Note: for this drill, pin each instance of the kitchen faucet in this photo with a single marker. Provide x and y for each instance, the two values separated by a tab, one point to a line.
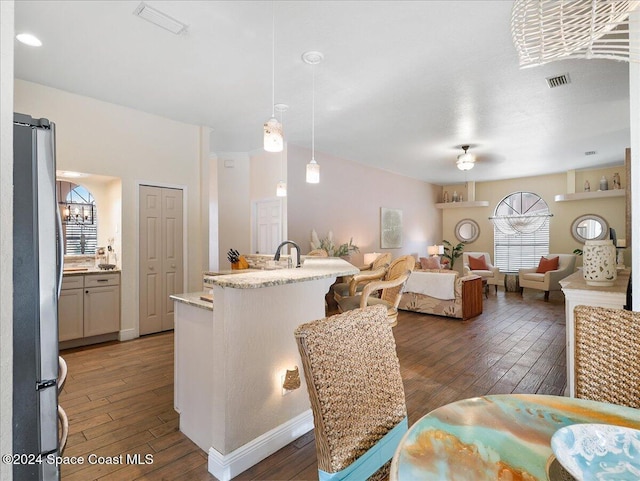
277	256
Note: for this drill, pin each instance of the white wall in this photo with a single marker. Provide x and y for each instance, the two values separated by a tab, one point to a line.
6	233
106	139
348	199
234	204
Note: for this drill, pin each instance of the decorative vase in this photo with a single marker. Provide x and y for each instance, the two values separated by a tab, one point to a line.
616	181
599	263
587	186
445	196
604	185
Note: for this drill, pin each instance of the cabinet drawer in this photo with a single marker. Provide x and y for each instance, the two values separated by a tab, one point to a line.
72	282
99	280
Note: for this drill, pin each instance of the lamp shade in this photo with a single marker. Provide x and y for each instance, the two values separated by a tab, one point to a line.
273	139
313	172
370	257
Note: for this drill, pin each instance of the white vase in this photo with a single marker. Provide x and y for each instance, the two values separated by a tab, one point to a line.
599	263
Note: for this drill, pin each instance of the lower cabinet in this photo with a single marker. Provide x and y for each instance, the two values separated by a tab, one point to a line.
89	306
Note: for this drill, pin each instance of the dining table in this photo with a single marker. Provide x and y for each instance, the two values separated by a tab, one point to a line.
505	437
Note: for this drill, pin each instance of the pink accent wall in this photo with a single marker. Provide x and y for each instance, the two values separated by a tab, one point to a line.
348	199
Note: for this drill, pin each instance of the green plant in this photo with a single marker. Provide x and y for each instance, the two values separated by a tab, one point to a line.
452	252
577	252
328	245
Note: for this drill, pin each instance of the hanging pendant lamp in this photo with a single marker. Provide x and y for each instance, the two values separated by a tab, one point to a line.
281	188
273	135
313	58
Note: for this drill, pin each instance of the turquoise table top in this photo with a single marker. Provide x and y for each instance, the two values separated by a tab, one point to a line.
501	437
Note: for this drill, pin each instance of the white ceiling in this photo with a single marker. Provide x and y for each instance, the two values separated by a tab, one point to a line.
403	84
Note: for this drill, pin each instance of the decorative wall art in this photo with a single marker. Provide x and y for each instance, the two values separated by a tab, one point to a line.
390	228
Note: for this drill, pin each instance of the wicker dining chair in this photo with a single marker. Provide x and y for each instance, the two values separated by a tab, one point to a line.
356	392
390	289
607	355
373	271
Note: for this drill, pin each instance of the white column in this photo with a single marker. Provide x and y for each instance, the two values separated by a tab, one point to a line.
634	109
6	234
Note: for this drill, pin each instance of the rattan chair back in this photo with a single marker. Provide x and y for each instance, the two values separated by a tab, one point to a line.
397	268
354	383
383	260
607	355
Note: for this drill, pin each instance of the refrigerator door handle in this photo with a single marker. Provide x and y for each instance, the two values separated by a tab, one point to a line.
60	249
64	431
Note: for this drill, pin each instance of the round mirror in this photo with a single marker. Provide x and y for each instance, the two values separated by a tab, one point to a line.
589	227
467	230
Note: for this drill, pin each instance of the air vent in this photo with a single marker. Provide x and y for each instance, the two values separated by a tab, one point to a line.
160	19
558	80
590	152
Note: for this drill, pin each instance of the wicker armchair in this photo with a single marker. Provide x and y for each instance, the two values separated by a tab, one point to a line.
356	392
354	284
607	355
390	289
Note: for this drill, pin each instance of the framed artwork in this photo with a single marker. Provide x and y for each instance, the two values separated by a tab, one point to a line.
390	228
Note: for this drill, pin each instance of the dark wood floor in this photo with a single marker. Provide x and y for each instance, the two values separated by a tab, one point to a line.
119	396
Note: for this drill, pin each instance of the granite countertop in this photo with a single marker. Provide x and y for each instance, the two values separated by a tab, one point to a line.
313	268
78	271
194	299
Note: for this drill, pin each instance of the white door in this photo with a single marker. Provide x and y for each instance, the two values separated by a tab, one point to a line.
268	230
161	259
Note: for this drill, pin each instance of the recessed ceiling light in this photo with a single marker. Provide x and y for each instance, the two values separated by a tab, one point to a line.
29	39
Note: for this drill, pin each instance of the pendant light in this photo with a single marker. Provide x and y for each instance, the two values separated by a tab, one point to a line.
273	136
313	58
281	188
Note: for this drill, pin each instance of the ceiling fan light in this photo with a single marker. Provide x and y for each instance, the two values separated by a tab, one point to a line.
313	172
465	164
273	138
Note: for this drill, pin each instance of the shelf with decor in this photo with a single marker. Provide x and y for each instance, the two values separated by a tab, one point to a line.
598	194
465	203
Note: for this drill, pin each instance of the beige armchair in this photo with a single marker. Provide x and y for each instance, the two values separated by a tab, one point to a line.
550	280
492	274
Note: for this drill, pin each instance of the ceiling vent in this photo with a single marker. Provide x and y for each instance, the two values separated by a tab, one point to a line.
160	19
558	80
590	152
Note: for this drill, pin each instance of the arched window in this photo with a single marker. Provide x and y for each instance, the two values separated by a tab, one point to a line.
79	219
521	231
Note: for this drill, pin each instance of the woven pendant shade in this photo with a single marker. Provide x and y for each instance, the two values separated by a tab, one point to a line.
548	30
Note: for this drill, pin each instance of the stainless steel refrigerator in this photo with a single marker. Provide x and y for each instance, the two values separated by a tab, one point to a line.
37	277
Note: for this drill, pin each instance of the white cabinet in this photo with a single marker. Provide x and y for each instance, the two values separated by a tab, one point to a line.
89	306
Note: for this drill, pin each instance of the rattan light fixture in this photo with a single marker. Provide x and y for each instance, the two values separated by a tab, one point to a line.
548	30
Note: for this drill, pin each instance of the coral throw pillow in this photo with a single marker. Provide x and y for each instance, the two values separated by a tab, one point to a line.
546	265
478	263
430	262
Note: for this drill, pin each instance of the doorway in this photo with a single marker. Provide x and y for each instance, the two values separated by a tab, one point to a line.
161	271
268	226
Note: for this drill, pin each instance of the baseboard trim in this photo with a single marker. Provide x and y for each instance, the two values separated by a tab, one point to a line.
225	467
127	334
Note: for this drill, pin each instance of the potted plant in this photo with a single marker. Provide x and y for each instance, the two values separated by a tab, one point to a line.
328	245
452	252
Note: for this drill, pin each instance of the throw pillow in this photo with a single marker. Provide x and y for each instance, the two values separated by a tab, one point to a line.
430	262
478	263
546	265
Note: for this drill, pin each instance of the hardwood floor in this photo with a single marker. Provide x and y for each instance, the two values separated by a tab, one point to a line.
119	396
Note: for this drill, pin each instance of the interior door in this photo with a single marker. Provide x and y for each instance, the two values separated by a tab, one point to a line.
161	256
150	268
171	252
268	226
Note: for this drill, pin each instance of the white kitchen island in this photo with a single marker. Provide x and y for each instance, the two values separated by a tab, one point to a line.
230	357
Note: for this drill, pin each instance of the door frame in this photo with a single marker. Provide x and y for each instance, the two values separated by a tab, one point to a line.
254	220
185	246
